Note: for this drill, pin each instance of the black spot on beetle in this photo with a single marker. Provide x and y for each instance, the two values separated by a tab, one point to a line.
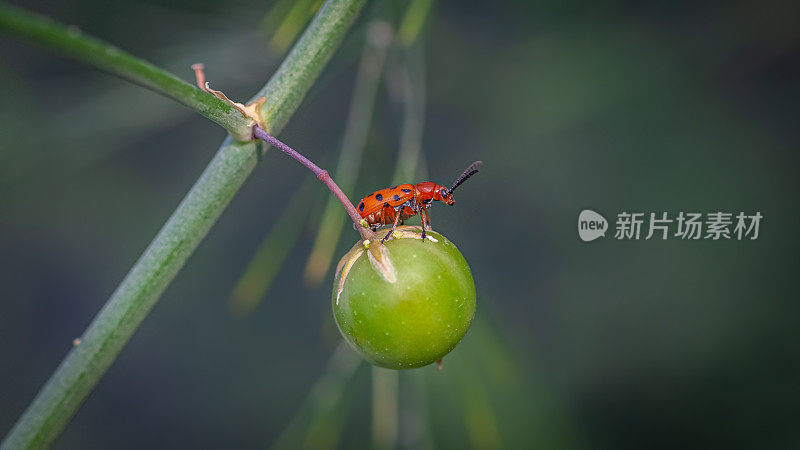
361	206
379	197
396	197
406	190
385	205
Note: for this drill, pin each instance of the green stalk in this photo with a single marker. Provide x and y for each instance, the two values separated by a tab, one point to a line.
413	80
272	253
72	42
359	122
113	326
319	422
301	11
385	383
413	88
416	15
384	407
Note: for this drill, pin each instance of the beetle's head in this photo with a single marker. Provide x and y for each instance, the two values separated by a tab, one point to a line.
443	195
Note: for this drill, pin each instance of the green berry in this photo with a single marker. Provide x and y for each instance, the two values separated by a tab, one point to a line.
418	318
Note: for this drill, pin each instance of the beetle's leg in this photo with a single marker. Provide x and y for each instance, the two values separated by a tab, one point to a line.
394	225
422	213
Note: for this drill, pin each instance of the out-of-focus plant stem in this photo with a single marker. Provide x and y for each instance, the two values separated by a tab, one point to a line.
272	252
480	419
385	384
72	42
384	408
287	30
413	88
85	364
416	15
319	422
359	120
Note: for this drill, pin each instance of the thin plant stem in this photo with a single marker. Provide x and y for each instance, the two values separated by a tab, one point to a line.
480	417
271	254
416	414
416	15
288	29
412	85
464	379
116	322
359	121
385	383
72	42
323	176
413	88
384	408
385	387
319	421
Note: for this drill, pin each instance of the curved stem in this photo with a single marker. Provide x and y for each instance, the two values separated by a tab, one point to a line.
323	176
379	37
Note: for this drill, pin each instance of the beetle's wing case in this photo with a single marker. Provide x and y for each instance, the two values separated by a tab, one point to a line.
371	203
394	196
400	194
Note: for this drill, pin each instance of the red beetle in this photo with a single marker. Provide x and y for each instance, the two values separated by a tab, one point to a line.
396	204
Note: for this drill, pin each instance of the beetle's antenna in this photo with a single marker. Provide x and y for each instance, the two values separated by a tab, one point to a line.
470	171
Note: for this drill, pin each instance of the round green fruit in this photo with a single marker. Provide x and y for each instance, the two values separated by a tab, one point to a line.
415	315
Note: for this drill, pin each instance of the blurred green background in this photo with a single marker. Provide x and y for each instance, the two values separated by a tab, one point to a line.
615	106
